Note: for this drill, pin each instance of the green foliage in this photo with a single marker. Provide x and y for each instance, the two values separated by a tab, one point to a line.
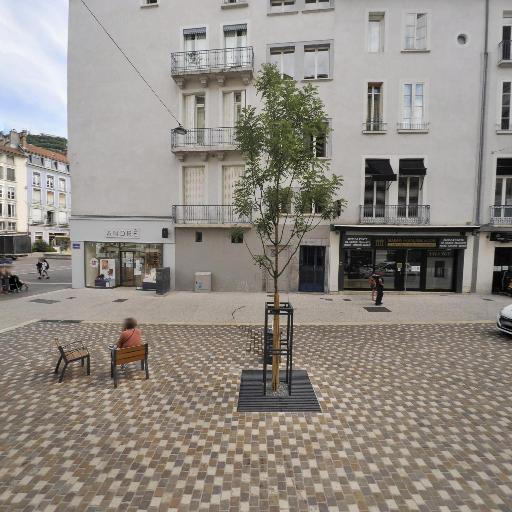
283	176
41	246
49	142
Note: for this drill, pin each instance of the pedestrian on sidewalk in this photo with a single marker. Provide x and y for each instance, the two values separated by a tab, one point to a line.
45	268
373	286
379	285
39	267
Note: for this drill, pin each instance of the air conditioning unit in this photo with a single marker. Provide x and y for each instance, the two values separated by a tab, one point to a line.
203	282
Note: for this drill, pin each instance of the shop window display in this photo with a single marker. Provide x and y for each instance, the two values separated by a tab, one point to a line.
122	264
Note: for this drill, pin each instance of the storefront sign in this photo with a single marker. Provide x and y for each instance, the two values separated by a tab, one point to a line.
440	254
453	242
501	237
76	245
357	241
411	243
122	233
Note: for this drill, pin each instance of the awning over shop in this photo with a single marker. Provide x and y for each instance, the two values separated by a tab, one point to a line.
412	167
379	169
504	167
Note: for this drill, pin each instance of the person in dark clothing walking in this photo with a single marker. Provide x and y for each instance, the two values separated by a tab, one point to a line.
45	268
39	267
379	285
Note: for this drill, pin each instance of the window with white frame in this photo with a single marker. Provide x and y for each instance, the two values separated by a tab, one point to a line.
62	200
233	103
50	198
36	196
506	90
317	4
10	159
503	192
1	193
413	107
319	143
194	42
37	215
63	218
1	209
409	190
1	173
416	31
11	193
36	179
11	226
374	197
62	184
11	174
376	32
374	107
316	62
282	5
11	210
50	182
284	59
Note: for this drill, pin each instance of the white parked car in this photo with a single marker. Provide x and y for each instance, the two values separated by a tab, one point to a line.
504	321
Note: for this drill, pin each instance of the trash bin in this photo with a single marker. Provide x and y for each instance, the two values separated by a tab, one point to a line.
163	280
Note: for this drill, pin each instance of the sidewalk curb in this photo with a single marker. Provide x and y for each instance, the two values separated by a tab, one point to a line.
28	322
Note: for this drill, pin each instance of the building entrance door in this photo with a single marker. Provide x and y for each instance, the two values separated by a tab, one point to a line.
127	268
311	268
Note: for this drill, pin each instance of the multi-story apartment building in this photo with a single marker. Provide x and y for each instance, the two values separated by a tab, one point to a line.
401	82
35	189
494	256
13	185
48	194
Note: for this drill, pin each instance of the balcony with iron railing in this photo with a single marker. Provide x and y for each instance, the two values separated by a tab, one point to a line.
413	127
395	214
501	215
219	63
204	140
505	53
374	126
208	215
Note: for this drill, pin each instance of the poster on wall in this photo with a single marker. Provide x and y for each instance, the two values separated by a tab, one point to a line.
93	263
137	271
108	271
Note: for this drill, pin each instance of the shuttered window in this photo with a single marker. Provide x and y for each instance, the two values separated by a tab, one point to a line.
231	174
193	185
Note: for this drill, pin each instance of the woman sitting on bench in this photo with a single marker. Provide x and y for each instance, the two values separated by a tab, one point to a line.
131	335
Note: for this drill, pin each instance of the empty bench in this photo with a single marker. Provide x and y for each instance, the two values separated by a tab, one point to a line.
71	353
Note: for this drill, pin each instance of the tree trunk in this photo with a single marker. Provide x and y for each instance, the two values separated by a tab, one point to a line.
276	340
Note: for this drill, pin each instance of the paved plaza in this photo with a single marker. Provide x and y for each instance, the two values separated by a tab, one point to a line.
414	417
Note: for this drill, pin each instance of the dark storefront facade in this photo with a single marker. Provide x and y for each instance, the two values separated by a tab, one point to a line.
407	261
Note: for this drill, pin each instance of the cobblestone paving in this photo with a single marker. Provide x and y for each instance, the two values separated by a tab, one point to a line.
415	417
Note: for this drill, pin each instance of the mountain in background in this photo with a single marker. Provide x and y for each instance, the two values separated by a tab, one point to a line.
49	142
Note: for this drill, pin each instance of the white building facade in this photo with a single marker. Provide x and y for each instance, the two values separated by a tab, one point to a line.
13	185
402	84
48	194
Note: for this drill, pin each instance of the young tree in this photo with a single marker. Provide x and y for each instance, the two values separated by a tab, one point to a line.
285	189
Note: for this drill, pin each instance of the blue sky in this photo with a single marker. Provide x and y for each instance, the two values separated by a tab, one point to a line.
33	52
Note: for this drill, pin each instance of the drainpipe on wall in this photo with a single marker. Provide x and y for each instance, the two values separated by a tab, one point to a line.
479	177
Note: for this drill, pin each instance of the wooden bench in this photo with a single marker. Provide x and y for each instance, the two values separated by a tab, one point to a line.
70	353
128	355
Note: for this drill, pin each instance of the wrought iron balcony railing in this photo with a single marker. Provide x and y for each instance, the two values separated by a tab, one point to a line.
212	61
374	125
413	126
216	214
204	138
395	214
501	214
504	52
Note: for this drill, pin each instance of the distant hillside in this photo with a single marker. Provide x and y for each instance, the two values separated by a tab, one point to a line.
48	141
